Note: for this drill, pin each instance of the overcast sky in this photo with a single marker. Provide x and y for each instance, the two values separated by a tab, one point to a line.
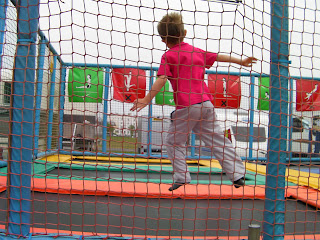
124	31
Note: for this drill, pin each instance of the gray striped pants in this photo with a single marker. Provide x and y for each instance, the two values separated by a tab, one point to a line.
201	119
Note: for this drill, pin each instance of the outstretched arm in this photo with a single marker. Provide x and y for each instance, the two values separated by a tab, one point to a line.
140	103
247	62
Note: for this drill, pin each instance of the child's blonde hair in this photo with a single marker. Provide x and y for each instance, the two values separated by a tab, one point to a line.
171	28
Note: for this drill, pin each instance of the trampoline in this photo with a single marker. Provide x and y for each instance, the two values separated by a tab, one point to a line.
82	165
82	195
126	216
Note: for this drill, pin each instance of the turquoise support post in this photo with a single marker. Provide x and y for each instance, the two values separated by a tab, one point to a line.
149	141
105	110
274	213
251	120
51	103
20	158
291	106
63	84
42	53
193	145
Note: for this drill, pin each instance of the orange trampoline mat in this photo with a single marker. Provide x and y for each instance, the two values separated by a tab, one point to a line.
153	190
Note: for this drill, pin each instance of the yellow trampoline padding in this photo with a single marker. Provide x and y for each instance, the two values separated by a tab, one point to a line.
207	163
298	177
126	159
203	163
213	163
303	178
108	163
57	158
260	169
67	158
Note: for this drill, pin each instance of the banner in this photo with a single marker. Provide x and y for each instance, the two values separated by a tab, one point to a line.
165	96
128	84
308	95
226	90
85	85
264	91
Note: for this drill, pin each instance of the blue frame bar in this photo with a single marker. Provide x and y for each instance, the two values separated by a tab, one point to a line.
63	83
251	133
109	66
193	145
51	103
149	141
290	120
42	53
51	48
105	111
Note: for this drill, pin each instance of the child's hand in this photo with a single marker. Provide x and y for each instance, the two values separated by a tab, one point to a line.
248	61
139	104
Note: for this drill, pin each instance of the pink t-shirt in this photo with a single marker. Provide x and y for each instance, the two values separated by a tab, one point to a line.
184	65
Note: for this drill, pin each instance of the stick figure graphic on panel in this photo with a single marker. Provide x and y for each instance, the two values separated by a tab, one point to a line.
312	92
127	83
88	82
224	87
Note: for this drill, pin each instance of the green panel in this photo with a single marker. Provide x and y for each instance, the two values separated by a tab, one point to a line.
263	102
165	97
85	85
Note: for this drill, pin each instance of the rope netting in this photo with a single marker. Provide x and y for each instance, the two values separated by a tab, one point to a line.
117	120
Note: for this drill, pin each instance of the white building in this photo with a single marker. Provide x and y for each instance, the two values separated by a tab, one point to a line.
123	124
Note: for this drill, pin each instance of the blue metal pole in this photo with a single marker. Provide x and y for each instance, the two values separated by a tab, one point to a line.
251	133
21	147
149	140
274	213
113	66
193	145
317	144
105	110
310	142
42	53
51	48
62	97
290	120
51	103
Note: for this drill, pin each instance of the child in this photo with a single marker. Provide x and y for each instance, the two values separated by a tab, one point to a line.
184	66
